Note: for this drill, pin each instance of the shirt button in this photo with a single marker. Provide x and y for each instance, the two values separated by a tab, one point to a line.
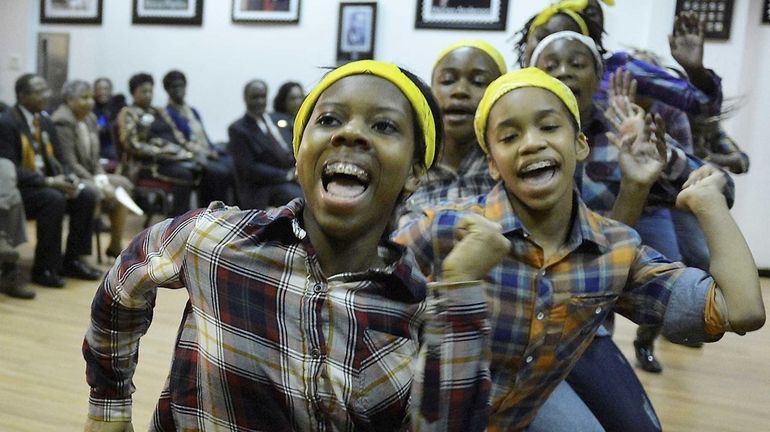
315	352
317	288
598	310
540	316
529	359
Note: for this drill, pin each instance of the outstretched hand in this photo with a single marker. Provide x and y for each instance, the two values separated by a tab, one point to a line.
642	143
703	187
481	246
622	85
687	41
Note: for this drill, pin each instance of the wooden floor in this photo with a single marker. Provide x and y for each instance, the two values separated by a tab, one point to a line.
723	387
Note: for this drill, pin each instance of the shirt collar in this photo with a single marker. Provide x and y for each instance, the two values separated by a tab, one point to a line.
586	226
401	269
28	116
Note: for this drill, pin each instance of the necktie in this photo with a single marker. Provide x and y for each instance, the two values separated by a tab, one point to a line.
38	133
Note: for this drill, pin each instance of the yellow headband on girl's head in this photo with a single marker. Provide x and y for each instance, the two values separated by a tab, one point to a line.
488	49
387	71
529	77
567	7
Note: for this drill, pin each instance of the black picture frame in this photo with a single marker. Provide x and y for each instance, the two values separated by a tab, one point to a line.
152	12
766	12
718	15
254	11
356	31
64	12
462	14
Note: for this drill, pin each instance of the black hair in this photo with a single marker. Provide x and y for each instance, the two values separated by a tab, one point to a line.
137	80
100	79
172	76
595	32
251	83
419	136
22	86
279	101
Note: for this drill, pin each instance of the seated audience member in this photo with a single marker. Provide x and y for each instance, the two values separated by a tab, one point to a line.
288	99
260	144
12	233
150	141
106	109
568	267
217	176
77	129
28	138
310	295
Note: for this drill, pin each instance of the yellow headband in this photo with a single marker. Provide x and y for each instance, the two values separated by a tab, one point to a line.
609	2
387	71
529	77
488	49
567	7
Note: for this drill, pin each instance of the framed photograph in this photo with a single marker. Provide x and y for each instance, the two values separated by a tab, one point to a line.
355	31
766	12
717	15
275	11
71	11
462	14
185	12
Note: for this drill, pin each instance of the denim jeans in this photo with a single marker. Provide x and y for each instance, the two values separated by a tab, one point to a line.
602	390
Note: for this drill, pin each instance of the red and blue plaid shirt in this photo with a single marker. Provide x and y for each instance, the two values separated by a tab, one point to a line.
544	313
267	342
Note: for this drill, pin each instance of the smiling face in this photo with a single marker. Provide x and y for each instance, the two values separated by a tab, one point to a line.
533	149
572	63
459	81
355	155
255	97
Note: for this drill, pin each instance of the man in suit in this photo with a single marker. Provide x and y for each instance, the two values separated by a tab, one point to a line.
28	139
260	144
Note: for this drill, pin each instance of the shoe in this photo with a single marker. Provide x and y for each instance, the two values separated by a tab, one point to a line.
79	270
113	252
646	357
47	278
12	285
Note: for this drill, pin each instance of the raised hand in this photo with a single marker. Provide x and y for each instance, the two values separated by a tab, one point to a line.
703	188
642	156
481	246
621	84
687	41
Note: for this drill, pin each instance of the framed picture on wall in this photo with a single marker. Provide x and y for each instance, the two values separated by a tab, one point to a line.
462	14
71	11
717	16
766	12
277	11
185	12
355	31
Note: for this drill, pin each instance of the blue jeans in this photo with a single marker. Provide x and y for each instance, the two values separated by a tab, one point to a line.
656	228
601	389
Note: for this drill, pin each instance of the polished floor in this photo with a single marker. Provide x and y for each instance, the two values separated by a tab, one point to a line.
723	387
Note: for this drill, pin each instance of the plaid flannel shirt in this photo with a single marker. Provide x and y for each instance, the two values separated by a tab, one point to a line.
544	313
658	83
443	184
598	177
267	342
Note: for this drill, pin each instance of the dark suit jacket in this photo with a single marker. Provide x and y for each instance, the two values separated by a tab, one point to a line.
260	161
12	127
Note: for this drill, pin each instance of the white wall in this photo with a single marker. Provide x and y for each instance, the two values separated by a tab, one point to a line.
219	57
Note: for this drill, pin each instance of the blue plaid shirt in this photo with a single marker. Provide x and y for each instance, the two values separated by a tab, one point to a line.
545	312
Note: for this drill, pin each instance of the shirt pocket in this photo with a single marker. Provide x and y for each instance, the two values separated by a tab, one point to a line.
585	313
385	373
